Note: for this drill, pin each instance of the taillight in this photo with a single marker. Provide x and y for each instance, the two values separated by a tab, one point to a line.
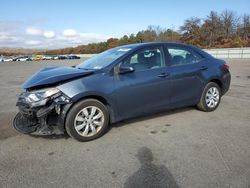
226	66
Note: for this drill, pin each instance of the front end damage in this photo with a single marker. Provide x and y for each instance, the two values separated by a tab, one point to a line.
42	112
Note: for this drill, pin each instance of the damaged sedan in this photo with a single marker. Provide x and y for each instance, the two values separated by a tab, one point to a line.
120	83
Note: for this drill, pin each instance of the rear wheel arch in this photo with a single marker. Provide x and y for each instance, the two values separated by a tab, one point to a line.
218	82
214	80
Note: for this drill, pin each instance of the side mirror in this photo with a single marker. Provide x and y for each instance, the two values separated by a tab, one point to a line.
124	68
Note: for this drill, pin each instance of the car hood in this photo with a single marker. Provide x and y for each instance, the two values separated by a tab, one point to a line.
53	75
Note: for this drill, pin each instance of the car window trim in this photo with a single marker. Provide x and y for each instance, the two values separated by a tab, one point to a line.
167	56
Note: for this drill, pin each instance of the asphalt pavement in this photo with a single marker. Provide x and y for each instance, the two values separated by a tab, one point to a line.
180	148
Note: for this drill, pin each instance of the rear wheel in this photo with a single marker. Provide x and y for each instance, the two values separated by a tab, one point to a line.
87	120
210	98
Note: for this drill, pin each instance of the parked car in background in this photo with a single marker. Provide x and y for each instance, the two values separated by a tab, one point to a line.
8	59
62	57
15	58
73	57
47	58
55	57
24	58
37	58
118	84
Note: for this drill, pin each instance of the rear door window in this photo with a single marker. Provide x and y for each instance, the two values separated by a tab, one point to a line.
183	56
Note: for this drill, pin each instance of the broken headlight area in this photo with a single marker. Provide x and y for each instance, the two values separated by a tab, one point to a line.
39	97
41	112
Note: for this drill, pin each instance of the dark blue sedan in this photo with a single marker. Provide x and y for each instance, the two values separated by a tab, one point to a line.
118	84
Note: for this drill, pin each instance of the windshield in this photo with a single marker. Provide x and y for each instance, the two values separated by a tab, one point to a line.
103	59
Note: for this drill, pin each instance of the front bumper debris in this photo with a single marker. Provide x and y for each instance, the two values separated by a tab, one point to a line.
45	119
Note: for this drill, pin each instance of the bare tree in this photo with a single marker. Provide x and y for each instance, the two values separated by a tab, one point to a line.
191	31
211	29
230	23
246	27
191	25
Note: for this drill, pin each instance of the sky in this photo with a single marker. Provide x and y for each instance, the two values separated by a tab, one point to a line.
50	24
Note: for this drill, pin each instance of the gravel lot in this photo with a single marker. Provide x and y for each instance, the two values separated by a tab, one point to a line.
181	148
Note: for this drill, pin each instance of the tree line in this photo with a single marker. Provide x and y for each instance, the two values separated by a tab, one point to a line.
217	30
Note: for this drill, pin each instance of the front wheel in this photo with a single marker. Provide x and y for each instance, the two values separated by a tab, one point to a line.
210	98
87	120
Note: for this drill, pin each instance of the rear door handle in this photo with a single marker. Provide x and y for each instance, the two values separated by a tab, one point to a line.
163	75
203	68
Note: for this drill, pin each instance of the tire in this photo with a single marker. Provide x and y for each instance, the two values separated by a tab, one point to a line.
84	126
24	125
204	103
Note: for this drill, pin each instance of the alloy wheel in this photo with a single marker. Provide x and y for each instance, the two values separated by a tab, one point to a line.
89	121
212	97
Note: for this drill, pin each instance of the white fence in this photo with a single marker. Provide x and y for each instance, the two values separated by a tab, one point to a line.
85	55
229	52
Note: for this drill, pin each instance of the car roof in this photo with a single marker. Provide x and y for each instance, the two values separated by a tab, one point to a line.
148	44
136	45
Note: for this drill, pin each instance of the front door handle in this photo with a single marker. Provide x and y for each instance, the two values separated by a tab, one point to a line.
203	68
163	75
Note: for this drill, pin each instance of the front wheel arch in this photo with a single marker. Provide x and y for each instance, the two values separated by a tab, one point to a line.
96	97
100	99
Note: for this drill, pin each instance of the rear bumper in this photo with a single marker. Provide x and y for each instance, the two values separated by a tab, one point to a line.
226	80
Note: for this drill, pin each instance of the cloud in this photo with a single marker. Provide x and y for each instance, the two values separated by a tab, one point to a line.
33	42
69	33
21	34
49	34
39	32
4	36
34	31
